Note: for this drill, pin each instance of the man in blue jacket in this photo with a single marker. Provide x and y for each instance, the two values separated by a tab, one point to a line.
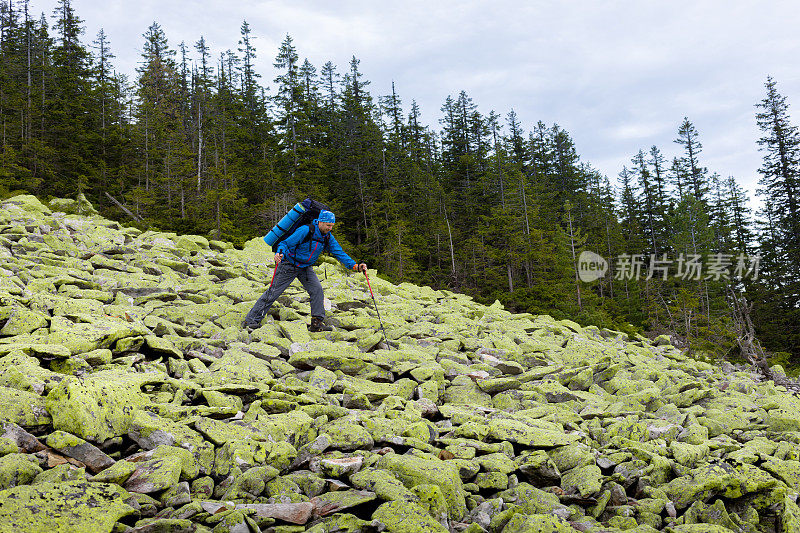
295	259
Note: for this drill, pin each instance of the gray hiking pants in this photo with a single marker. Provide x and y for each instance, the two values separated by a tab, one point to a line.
284	276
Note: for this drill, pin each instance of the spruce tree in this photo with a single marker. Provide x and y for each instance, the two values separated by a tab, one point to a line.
780	177
649	201
287	97
780	170
696	174
70	108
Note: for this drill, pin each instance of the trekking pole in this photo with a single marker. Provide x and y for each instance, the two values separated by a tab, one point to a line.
376	309
274	270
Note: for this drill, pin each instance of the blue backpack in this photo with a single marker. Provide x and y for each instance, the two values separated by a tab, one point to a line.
303	213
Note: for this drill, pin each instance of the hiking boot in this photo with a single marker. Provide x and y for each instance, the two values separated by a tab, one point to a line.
250	327
318	325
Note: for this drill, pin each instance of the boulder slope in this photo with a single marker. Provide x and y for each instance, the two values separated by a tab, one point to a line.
134	401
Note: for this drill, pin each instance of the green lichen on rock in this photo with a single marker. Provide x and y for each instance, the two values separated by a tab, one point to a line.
117	473
155	475
383	483
347	436
585	480
99	406
22	320
405	517
413	471
59	474
18	469
528	435
537	523
123	350
23	408
70	507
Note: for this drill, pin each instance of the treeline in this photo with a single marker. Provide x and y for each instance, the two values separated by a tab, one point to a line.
483	204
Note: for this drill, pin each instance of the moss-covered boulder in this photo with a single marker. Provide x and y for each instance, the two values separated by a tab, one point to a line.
23	408
75	506
18	469
405	517
413	471
99	406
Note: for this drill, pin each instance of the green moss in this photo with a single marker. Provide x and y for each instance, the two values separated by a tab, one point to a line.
310	483
251	483
699	528
624	523
7	446
496	462
151	431
375	391
688	454
497	385
102	332
706	481
322	378
344	360
190	469
284	489
464	391
701	513
532	500
21	371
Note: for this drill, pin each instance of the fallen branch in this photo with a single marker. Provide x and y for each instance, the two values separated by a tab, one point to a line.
127	211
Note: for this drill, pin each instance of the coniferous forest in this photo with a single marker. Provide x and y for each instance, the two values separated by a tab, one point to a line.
497	206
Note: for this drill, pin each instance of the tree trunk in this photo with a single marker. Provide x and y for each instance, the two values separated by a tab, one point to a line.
574	260
452	253
199	143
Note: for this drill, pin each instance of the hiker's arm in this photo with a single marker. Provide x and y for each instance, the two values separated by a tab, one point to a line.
336	251
293	240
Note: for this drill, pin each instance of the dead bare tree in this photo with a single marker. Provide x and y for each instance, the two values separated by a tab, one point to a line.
748	343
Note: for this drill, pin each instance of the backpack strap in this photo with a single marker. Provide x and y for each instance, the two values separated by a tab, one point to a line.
325	240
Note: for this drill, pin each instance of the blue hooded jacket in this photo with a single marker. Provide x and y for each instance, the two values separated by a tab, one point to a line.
302	254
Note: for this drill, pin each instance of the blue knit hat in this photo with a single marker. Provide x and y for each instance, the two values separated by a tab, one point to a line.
327	216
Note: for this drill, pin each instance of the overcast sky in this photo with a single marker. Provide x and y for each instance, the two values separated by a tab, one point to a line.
617	75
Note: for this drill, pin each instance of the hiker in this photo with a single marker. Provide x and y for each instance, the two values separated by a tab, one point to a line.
296	256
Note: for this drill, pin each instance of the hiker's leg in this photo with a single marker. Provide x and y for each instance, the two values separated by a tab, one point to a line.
311	283
284	276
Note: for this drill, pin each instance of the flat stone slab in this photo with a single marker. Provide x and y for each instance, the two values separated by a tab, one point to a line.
294	513
521	433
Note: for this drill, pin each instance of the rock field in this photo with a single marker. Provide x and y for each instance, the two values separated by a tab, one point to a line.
131	400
